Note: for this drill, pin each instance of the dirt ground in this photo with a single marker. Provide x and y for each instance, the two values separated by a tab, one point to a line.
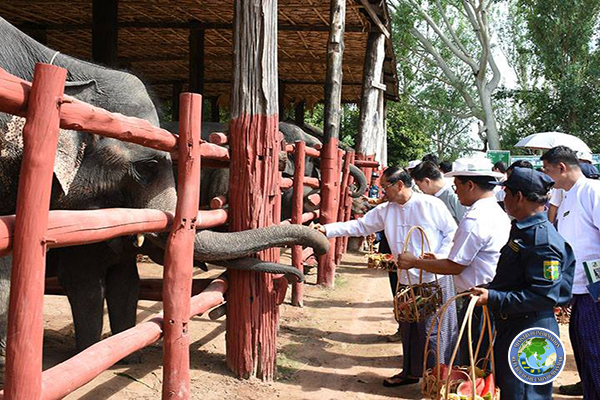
335	347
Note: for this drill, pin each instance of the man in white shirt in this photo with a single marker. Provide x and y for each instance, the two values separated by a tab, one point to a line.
404	210
430	180
476	246
578	219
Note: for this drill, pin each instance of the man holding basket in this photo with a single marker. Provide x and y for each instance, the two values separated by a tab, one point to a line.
534	274
404	210
476	246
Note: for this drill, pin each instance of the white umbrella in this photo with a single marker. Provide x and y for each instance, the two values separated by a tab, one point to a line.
548	140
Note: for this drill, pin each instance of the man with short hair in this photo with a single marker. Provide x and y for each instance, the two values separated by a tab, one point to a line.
578	219
476	245
405	209
429	179
534	274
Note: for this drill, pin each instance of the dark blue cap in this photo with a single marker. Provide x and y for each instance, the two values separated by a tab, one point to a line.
589	171
528	180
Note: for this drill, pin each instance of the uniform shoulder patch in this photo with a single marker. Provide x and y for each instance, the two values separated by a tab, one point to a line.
552	270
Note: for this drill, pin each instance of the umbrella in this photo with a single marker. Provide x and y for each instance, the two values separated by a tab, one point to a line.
548	140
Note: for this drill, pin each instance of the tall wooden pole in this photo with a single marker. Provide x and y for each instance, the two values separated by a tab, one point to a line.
25	317
329	153
370	120
105	32
179	254
196	63
252	314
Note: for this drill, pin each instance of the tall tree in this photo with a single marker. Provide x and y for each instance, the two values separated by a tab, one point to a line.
454	37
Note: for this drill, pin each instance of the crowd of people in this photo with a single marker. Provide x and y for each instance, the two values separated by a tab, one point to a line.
490	236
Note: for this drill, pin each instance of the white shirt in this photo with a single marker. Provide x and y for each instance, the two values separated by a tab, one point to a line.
499	193
579	223
556	197
421	209
482	232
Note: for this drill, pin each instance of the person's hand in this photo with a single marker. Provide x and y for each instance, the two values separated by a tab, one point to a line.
483	295
429	256
318	227
406	260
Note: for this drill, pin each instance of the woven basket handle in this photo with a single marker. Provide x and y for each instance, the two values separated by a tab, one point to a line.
424	239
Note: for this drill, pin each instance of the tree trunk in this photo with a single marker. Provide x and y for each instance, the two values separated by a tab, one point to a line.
252	314
329	153
489	121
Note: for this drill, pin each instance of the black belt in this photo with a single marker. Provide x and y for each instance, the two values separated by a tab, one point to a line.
511	317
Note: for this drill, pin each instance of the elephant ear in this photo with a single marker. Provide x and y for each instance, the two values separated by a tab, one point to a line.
71	144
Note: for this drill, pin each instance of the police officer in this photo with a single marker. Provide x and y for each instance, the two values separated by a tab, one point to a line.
534	274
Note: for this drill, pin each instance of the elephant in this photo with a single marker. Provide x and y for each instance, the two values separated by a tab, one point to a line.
95	172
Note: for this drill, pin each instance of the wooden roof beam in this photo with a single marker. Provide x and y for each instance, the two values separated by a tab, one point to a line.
185	25
373	14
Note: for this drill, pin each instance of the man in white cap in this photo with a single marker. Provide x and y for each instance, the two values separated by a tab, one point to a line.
403	210
482	232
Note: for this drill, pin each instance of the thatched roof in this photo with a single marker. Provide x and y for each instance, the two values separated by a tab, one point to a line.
153	41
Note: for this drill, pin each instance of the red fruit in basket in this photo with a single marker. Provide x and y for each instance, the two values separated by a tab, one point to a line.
457	374
443	371
466	388
389	257
489	389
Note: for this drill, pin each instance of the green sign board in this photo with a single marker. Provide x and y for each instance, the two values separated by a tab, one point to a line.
534	160
499	155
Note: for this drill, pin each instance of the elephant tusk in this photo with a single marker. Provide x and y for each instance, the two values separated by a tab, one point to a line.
139	240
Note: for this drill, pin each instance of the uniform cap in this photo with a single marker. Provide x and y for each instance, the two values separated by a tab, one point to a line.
528	180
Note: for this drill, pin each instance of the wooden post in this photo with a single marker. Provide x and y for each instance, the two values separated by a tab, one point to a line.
297	210
196	65
299	113
214	109
179	254
339	243
329	154
25	315
252	314
177	89
105	32
370	119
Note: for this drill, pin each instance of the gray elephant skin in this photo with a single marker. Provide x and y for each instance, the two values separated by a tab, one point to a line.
93	172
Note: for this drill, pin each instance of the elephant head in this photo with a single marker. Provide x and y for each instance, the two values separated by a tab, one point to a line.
97	172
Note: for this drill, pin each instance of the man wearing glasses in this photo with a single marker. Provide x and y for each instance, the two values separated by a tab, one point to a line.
406	209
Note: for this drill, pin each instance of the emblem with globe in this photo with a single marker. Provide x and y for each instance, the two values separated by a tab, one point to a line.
537	355
535	359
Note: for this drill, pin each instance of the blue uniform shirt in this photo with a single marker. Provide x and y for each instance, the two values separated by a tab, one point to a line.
535	270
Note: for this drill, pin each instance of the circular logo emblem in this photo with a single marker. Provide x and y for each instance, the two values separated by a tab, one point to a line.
536	356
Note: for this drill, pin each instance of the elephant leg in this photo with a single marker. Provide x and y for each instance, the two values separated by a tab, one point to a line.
5	268
122	294
81	273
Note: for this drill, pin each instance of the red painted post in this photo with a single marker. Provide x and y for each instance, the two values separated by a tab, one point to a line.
25	316
297	210
179	255
329	192
339	243
348	207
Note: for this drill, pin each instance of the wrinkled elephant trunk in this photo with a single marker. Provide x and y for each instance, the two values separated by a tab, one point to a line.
360	179
214	246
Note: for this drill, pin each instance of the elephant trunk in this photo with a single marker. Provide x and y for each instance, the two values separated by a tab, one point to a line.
254	264
214	246
360	179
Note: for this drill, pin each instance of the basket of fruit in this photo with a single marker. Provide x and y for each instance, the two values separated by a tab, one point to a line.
416	302
451	382
386	262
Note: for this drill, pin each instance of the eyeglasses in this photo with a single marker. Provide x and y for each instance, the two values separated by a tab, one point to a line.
384	188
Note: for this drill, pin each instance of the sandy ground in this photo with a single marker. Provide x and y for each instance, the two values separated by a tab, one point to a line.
333	348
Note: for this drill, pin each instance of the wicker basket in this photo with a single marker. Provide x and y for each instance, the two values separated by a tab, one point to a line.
435	387
563	314
415	303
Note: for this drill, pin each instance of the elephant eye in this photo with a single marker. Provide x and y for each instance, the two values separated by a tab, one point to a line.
145	171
